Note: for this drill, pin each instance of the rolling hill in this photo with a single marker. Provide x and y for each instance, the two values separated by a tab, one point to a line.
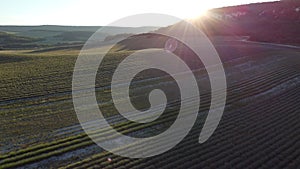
24	37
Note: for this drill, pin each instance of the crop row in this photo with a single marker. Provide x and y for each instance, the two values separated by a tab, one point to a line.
256	87
229	148
253	87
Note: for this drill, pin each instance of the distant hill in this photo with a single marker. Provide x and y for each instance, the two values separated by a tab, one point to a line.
275	22
20	37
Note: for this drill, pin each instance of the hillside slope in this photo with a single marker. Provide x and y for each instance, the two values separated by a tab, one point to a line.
276	22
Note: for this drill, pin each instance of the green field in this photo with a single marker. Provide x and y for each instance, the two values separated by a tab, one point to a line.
39	126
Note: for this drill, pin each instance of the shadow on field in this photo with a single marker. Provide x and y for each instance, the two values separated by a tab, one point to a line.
12	59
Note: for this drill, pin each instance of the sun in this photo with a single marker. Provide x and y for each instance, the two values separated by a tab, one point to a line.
194	11
202	12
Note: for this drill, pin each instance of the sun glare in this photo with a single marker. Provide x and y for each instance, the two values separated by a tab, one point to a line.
195	10
94	12
195	15
188	9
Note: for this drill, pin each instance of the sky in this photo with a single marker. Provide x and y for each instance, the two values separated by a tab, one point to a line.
101	12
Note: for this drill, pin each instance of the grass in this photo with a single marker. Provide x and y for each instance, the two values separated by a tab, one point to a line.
38	79
36	100
48	147
62	146
191	148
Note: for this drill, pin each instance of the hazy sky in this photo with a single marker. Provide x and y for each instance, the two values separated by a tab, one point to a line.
100	12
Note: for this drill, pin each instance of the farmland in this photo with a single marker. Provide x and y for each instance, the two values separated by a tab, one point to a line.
259	128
